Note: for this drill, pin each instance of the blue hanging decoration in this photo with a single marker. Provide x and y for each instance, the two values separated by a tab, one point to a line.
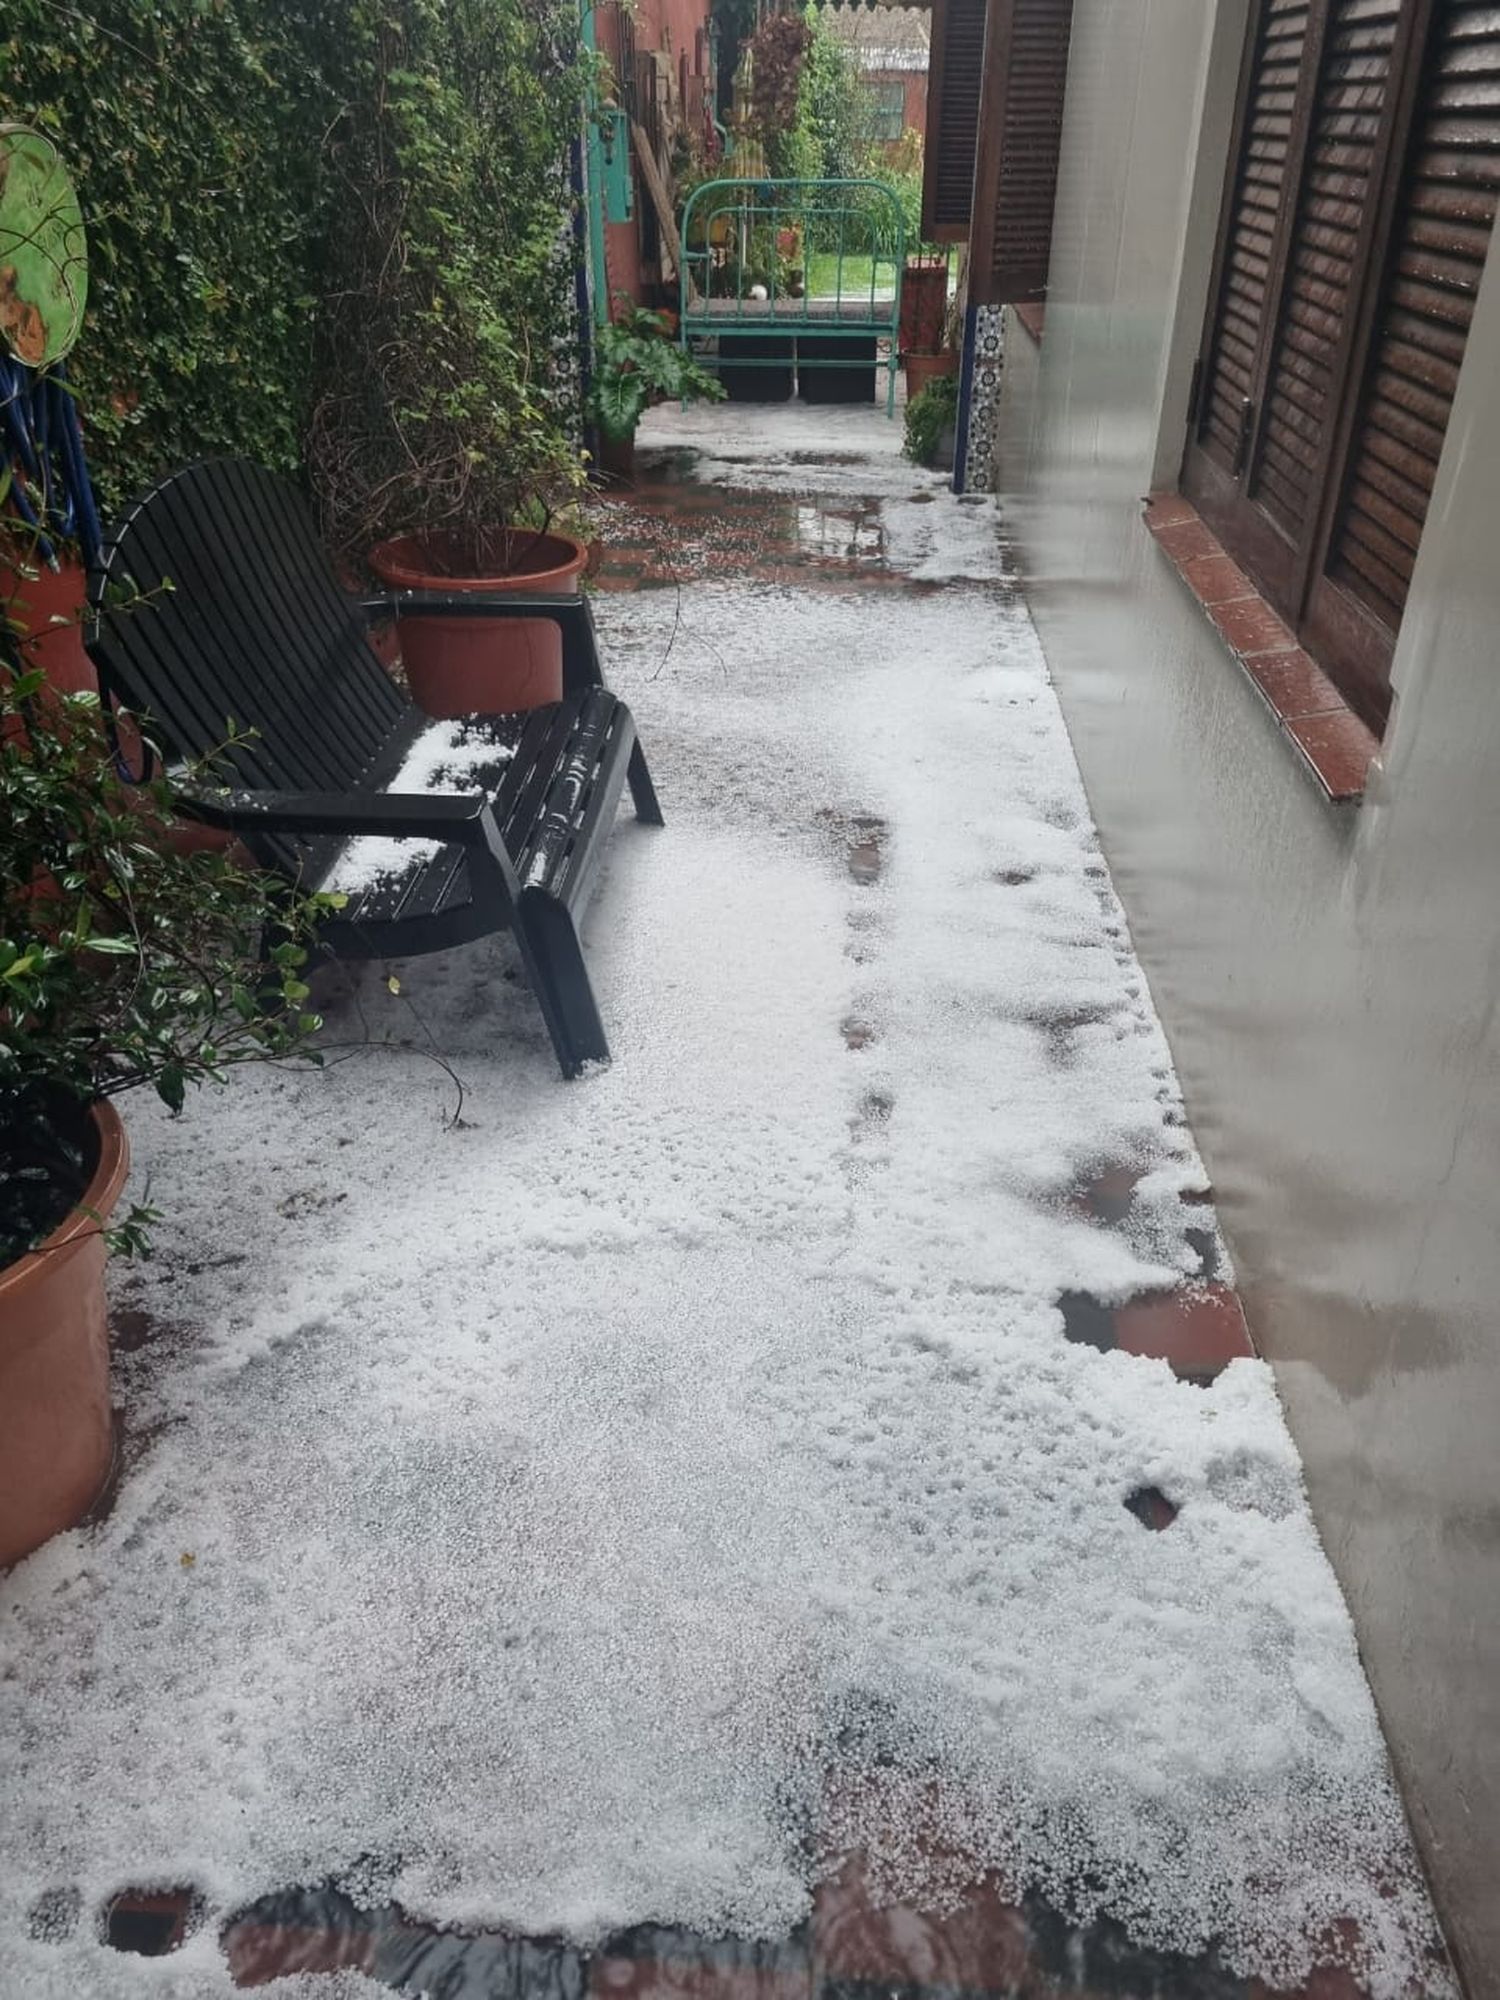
50	492
47	493
44	281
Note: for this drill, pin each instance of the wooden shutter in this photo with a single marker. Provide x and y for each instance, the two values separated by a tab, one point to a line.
1245	284
1334	215
955	64
1015	178
1320	106
1438	240
1366	170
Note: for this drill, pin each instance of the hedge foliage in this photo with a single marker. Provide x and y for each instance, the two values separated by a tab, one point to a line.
445	328
202	135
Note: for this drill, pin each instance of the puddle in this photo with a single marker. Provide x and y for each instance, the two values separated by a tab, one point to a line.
851	1948
659	534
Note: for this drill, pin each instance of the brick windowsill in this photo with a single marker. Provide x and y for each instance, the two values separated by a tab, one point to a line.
1332	743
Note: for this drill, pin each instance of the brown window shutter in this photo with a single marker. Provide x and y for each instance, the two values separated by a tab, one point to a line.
1356	225
955	64
1438	243
1015	180
1341	177
1245	287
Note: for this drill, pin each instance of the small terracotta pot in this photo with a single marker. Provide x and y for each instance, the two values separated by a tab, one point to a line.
481	666
924	368
56	1431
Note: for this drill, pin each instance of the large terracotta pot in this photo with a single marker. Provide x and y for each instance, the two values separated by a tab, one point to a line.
49	609
481	666
56	1431
924	368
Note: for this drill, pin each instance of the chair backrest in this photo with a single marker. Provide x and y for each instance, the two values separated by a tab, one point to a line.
244	622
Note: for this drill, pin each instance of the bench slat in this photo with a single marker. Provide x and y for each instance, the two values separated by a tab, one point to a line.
194	625
309	623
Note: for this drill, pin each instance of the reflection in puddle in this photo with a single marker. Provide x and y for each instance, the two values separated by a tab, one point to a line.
661	534
849	1949
848	534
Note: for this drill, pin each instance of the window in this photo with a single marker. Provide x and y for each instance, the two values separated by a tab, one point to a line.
888	112
1365	171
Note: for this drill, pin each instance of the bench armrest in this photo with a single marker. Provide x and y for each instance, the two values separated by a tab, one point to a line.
419	815
562	610
571	615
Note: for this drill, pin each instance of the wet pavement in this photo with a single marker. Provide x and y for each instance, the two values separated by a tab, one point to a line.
667	530
853	1947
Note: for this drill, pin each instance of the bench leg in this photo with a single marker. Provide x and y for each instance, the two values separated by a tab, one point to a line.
554	960
642	791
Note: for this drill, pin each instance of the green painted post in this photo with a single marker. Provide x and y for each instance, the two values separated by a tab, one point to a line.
594	177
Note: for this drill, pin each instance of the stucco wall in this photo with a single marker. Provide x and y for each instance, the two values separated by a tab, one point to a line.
1328	978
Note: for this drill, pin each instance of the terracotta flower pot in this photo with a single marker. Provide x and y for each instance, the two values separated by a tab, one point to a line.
481	666
49	609
924	368
56	1432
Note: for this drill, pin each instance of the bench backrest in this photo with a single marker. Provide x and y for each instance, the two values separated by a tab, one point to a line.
254	629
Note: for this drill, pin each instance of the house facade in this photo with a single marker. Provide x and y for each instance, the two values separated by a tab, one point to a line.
1244	313
890	49
661	53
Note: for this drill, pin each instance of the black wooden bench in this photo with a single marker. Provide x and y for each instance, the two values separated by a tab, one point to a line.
256	630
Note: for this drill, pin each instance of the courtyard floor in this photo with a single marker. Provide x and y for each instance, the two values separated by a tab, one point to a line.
795	1512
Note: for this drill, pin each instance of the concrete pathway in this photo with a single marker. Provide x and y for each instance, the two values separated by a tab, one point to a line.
796	1511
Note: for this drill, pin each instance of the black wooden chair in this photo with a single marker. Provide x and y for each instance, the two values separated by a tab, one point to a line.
256	630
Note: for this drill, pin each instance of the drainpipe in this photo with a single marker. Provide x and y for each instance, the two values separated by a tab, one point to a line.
593	176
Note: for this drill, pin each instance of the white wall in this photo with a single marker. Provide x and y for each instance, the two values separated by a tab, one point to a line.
1328	978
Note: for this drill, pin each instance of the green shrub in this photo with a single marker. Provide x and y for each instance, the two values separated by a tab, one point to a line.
928	416
124	958
192	136
636	363
440	403
220	149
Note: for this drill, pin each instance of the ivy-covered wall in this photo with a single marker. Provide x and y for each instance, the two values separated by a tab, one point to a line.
192	131
203	136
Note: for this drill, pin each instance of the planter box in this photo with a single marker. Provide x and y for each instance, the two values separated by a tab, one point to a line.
764	383
924	304
852	381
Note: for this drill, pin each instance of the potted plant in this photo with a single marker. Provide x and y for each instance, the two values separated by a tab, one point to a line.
440	438
637	363
932	423
924	365
124	961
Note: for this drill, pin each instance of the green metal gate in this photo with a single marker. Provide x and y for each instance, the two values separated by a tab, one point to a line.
814	261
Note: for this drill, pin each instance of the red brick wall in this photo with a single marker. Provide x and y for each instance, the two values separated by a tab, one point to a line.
916	101
670	27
